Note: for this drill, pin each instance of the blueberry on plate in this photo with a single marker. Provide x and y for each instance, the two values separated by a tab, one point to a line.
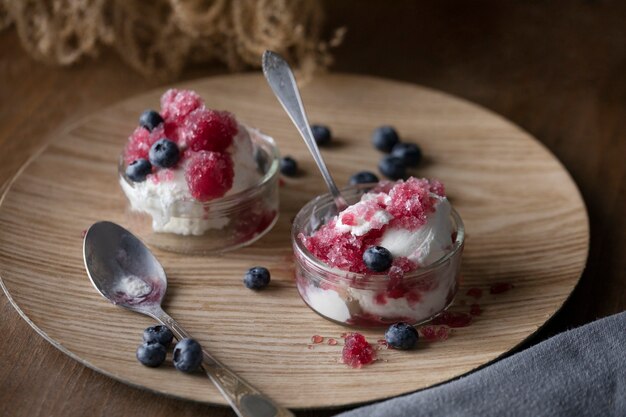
392	167
401	336
288	166
187	355
363	177
151	354
158	334
377	258
150	119
385	138
138	170
257	278
410	153
164	153
321	134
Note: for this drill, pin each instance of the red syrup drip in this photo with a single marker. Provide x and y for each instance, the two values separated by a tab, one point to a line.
453	319
281	182
500	287
357	352
316	339
474	293
332	341
434	333
475	310
83	233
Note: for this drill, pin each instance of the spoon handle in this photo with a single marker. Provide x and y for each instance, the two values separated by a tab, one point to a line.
244	399
283	83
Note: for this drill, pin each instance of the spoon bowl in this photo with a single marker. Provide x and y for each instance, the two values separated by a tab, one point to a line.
113	258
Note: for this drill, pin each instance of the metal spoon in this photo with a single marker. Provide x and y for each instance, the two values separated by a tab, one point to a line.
283	84
118	263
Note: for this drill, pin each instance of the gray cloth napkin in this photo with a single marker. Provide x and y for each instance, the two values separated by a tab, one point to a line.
580	372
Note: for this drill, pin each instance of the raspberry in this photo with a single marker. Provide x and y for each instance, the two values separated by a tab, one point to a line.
357	352
208	130
140	141
176	104
209	175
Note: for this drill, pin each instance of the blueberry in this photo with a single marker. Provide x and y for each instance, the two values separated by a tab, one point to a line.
151	354
385	138
187	355
392	167
158	334
257	278
164	153
150	119
138	170
363	177
321	134
401	336
288	166
410	153
377	258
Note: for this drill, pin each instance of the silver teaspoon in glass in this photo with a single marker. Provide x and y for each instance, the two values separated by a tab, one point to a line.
283	83
125	272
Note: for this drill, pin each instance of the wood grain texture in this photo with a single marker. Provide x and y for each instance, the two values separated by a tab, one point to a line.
520	59
525	221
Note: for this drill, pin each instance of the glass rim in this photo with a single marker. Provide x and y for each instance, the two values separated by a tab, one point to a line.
349	277
272	171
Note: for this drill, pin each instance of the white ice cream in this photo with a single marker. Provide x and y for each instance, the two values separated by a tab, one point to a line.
170	204
428	243
133	287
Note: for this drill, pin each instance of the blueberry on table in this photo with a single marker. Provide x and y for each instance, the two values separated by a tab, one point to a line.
392	167
151	354
138	170
187	355
150	119
158	334
363	177
257	278
410	153
164	153
321	134
377	258
385	138
401	336
288	166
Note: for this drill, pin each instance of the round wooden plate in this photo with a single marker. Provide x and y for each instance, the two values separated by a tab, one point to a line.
525	219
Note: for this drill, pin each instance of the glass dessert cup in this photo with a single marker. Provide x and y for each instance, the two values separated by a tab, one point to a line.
219	225
372	300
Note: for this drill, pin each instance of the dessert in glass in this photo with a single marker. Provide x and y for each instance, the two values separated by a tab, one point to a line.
393	255
197	180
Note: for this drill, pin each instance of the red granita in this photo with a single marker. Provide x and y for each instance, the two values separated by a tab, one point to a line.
453	319
140	141
357	351
176	104
409	202
475	310
434	333
474	293
209	175
208	130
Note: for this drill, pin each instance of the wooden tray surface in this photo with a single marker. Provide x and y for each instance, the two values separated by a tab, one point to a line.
526	224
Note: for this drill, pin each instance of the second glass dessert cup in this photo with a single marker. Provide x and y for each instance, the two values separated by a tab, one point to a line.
371	300
219	225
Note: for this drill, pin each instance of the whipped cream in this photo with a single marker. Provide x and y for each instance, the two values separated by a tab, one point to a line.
170	204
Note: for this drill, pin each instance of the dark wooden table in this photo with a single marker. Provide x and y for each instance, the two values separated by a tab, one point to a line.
555	68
